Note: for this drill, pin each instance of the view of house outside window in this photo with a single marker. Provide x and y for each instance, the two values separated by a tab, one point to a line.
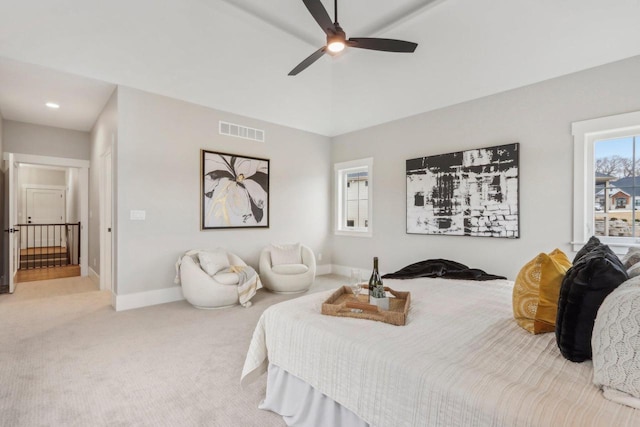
617	189
357	199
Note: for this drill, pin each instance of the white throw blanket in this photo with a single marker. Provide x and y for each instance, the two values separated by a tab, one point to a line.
461	360
248	282
248	279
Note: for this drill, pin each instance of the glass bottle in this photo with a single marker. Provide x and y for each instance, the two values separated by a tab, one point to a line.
375	281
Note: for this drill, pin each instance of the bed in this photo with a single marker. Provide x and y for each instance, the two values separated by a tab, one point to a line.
460	360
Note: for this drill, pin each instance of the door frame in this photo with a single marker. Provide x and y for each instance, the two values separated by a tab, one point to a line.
12	218
83	183
104	234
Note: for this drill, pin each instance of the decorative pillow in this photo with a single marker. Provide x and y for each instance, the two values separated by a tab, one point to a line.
585	286
213	261
631	258
227	278
593	243
285	254
536	291
616	345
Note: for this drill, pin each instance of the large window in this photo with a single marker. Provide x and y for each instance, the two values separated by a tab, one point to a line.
607	181
617	187
353	197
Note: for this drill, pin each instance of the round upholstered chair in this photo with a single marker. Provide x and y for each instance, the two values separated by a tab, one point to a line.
202	290
287	269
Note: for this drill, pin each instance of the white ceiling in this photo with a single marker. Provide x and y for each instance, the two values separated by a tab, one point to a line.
25	88
234	55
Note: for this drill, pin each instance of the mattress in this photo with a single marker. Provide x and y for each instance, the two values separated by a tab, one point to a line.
460	360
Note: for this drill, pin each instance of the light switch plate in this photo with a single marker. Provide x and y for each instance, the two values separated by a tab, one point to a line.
138	215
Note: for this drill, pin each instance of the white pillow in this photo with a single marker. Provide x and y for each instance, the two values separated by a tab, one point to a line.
227	278
285	254
214	261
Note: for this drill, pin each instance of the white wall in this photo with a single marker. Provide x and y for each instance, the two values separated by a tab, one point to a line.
158	171
27	138
41	176
104	131
538	116
73	195
29	175
4	208
1	139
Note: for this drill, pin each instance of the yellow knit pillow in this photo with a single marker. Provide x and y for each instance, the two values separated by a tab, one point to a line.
536	291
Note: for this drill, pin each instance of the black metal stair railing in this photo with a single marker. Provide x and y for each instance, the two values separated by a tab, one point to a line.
49	245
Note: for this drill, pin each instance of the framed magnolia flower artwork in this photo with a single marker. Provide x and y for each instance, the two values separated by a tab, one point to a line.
235	191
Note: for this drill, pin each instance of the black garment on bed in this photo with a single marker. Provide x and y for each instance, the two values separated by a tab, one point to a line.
441	268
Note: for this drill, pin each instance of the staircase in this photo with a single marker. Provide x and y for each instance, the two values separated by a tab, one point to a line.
52	256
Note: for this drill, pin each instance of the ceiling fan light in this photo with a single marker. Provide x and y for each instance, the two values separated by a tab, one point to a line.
336	46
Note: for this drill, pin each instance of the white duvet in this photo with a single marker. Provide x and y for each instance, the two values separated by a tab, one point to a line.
461	360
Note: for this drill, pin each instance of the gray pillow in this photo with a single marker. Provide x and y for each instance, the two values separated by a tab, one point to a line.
634	270
631	258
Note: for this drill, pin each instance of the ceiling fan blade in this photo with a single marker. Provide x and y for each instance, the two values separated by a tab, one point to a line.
321	16
387	45
310	60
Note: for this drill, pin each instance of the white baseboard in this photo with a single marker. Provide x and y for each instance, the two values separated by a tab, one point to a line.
162	296
144	299
95	277
344	270
324	269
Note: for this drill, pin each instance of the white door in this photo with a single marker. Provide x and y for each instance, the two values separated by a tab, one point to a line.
107	226
14	250
45	206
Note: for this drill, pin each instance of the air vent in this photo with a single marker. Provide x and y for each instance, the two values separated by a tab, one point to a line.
240	131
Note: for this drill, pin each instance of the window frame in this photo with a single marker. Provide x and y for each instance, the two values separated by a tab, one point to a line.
340	175
585	134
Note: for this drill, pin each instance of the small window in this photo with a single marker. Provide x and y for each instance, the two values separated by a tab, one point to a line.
353	182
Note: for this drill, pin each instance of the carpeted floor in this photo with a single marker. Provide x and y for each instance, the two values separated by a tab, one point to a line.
68	359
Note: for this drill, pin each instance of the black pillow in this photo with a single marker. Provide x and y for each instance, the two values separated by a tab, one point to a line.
583	290
593	243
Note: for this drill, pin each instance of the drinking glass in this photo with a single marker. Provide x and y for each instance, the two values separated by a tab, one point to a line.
355	282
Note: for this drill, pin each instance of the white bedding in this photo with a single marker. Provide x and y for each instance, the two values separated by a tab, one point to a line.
461	360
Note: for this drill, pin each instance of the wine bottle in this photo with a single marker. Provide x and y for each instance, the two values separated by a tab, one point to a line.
375	281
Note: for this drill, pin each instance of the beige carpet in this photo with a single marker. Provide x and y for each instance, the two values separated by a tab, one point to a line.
68	359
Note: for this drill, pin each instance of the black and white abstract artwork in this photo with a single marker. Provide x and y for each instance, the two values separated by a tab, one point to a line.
235	191
467	193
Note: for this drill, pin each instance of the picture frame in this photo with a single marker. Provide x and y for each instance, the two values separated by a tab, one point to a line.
234	191
465	193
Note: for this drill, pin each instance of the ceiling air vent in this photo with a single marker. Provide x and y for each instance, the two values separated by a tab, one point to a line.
240	131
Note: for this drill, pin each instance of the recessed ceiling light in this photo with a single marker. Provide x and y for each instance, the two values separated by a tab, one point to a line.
52	105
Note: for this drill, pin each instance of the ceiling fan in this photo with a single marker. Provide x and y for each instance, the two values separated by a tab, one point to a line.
337	39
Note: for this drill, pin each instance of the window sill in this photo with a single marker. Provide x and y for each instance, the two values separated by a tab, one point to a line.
353	233
620	248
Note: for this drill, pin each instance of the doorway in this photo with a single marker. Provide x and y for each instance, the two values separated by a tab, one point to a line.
43	243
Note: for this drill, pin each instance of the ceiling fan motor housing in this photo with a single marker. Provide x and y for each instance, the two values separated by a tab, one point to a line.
338	36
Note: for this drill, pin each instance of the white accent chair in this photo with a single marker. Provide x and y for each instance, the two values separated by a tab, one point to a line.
288	278
206	292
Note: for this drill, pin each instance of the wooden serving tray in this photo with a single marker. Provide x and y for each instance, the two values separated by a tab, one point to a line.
341	302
